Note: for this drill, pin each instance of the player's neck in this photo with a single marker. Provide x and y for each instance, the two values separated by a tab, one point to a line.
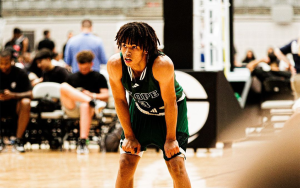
139	68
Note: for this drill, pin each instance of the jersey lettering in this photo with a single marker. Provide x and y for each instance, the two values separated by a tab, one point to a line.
146	96
138	96
154	94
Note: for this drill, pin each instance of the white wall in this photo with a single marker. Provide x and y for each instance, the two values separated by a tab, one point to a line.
250	32
260	32
104	27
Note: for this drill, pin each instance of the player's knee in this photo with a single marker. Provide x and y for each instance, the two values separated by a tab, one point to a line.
176	167
125	163
126	169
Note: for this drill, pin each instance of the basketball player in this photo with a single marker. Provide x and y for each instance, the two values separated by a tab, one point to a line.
157	113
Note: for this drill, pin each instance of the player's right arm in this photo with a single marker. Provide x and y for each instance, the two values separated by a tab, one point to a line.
114	68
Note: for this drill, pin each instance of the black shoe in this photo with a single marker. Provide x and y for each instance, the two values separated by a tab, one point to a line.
82	147
92	103
19	145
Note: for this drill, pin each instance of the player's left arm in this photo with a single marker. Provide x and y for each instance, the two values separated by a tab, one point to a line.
163	72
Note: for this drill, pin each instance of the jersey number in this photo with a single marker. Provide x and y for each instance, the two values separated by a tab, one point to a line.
144	104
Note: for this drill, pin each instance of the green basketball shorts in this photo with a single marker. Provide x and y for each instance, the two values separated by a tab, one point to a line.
151	129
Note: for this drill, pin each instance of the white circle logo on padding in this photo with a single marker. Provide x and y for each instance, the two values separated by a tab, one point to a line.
197	110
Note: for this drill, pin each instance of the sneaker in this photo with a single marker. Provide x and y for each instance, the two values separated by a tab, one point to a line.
19	145
82	147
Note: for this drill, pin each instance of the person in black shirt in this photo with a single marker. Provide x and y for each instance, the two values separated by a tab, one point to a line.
81	93
50	73
46	42
15	96
20	44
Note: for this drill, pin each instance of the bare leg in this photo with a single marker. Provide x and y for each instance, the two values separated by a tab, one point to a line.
86	114
293	121
178	172
295	84
128	164
70	95
23	111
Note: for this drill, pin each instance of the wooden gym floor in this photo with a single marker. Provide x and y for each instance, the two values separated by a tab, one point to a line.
38	168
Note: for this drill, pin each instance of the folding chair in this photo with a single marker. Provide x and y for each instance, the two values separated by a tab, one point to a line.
46	125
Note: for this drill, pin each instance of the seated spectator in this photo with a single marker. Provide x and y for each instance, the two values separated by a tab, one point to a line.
15	96
34	72
269	65
270	50
15	60
83	91
249	57
268	69
51	73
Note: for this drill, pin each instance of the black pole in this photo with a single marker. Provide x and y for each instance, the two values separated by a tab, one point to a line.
178	32
231	40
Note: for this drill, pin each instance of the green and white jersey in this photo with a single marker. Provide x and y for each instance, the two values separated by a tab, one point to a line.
145	90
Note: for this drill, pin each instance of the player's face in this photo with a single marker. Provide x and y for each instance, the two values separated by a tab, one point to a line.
133	54
44	64
5	64
85	68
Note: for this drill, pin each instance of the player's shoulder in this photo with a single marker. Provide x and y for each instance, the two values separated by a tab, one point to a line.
114	60
114	65
163	63
162	67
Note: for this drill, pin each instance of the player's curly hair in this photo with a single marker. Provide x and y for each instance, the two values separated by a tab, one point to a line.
141	34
